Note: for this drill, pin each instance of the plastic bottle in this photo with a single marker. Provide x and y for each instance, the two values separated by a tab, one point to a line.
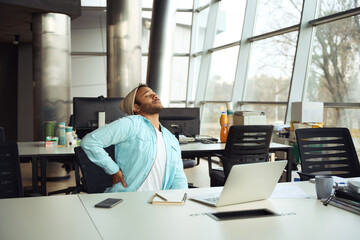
62	137
69	136
224	121
230	114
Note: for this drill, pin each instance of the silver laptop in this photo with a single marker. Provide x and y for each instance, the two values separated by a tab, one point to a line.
246	183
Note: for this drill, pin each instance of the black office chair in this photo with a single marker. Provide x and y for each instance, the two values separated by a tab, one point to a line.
327	151
245	144
94	179
10	175
2	135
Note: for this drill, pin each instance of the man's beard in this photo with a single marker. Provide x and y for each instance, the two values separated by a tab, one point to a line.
151	109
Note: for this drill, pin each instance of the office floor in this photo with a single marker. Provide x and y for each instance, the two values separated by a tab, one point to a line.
197	175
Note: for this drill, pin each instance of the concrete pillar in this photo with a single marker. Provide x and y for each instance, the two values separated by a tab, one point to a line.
52	69
163	26
123	46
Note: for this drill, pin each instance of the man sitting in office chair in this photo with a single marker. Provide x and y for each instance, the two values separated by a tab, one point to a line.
147	155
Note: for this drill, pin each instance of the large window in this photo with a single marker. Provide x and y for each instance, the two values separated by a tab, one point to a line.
328	7
229	22
288	50
335	72
270	68
222	73
273	15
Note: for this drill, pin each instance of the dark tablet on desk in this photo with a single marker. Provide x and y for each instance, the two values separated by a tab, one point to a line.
252	213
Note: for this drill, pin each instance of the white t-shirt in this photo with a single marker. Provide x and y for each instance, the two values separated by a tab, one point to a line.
155	178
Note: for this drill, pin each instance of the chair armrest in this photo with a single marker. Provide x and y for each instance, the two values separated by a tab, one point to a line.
222	157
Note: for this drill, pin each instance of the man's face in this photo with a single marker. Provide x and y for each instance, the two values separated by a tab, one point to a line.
147	102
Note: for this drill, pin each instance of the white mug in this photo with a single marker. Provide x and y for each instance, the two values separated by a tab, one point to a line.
323	186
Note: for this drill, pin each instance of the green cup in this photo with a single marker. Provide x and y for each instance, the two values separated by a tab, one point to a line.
50	129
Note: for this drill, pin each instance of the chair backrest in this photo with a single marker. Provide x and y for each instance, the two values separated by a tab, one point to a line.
10	175
327	151
246	144
2	135
94	178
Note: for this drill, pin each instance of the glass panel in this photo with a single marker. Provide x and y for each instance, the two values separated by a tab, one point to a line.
275	114
93	3
349	118
179	78
203	2
184	4
144	62
195	78
145	36
274	15
177	105
210	119
229	22
328	7
270	68
200	30
146	3
334	71
182	32
222	74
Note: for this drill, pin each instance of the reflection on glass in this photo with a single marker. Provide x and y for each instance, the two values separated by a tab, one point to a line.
222	74
275	114
182	32
349	118
210	124
270	68
201	27
179	78
229	22
334	71
273	15
328	7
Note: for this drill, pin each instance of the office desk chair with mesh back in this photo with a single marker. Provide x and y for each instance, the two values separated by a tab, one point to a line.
94	179
245	144
327	151
10	175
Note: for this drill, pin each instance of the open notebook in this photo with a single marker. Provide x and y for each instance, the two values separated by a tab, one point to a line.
246	183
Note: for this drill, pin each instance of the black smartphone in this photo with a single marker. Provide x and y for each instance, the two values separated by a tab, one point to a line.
108	203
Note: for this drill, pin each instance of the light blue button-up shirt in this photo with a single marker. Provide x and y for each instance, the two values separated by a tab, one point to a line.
135	150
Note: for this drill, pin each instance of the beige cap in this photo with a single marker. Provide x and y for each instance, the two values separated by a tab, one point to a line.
127	104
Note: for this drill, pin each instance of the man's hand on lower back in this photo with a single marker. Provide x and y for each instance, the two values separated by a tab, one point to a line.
118	177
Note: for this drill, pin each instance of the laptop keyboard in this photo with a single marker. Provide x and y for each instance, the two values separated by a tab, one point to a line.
212	199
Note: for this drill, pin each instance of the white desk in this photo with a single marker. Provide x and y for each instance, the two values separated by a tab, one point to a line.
58	217
300	219
37	150
75	217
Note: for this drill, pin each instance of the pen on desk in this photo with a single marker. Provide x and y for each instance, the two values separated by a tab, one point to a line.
160	197
185	197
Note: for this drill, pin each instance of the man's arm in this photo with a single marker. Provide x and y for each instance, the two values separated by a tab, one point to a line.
110	134
180	180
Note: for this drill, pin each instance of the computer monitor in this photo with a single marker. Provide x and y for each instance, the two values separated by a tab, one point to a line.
86	112
181	121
